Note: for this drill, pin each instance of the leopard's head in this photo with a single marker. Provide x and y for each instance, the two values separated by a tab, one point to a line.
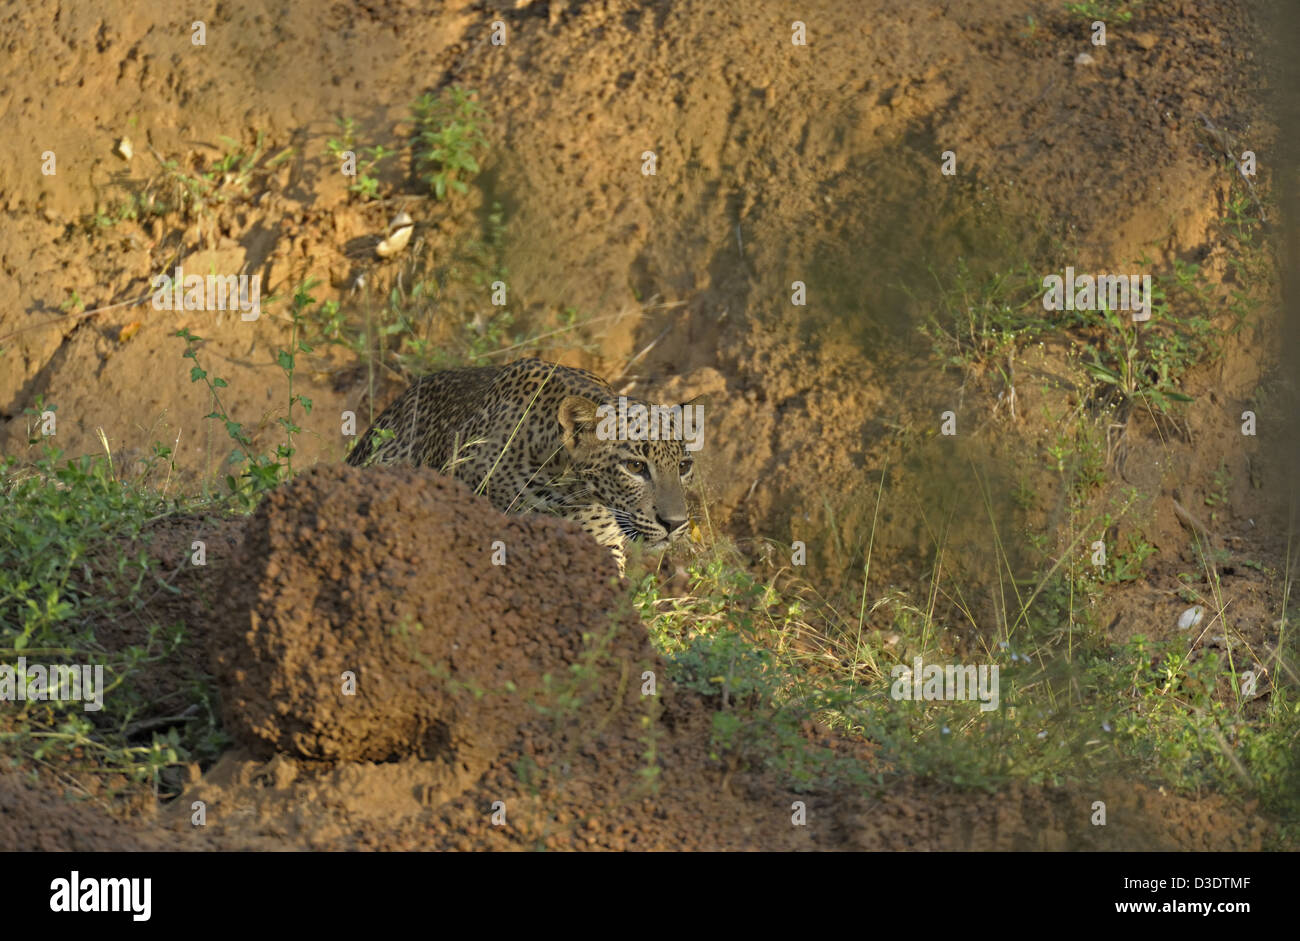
634	459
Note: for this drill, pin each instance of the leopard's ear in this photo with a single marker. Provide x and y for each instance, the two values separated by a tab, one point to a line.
693	421
577	417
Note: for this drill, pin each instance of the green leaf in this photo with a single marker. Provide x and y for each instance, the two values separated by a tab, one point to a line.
1103	372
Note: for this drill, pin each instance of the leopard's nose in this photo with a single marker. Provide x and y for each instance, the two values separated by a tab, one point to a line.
672	524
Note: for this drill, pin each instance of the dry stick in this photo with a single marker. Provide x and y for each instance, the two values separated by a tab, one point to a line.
79	316
73	783
632	362
866	571
1286	601
146	725
172	463
1191	522
1004	563
533	476
550	333
370	353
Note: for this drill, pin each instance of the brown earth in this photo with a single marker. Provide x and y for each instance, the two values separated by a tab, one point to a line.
775	163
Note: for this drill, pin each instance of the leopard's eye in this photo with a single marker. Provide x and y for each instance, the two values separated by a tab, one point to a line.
685	466
635	467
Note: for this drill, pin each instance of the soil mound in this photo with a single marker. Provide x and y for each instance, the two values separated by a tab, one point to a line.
36	817
495	669
383	613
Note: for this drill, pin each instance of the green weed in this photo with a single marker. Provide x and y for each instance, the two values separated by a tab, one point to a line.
448	133
71	562
1115	11
369	159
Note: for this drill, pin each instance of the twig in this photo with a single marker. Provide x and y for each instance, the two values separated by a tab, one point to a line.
650	346
148	725
1191	522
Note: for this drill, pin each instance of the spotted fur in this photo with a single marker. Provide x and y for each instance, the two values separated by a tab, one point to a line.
525	436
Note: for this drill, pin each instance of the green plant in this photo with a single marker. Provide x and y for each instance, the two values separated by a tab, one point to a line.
438	313
448	132
72	559
1120	366
725	643
1120	11
980	320
366	183
1219	496
260	472
73	302
1074	706
195	191
287	360
1126	565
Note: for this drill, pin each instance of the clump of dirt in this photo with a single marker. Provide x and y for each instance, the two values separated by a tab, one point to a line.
382	613
390	647
36	817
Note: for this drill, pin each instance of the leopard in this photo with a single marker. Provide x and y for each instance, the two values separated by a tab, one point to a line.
537	436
